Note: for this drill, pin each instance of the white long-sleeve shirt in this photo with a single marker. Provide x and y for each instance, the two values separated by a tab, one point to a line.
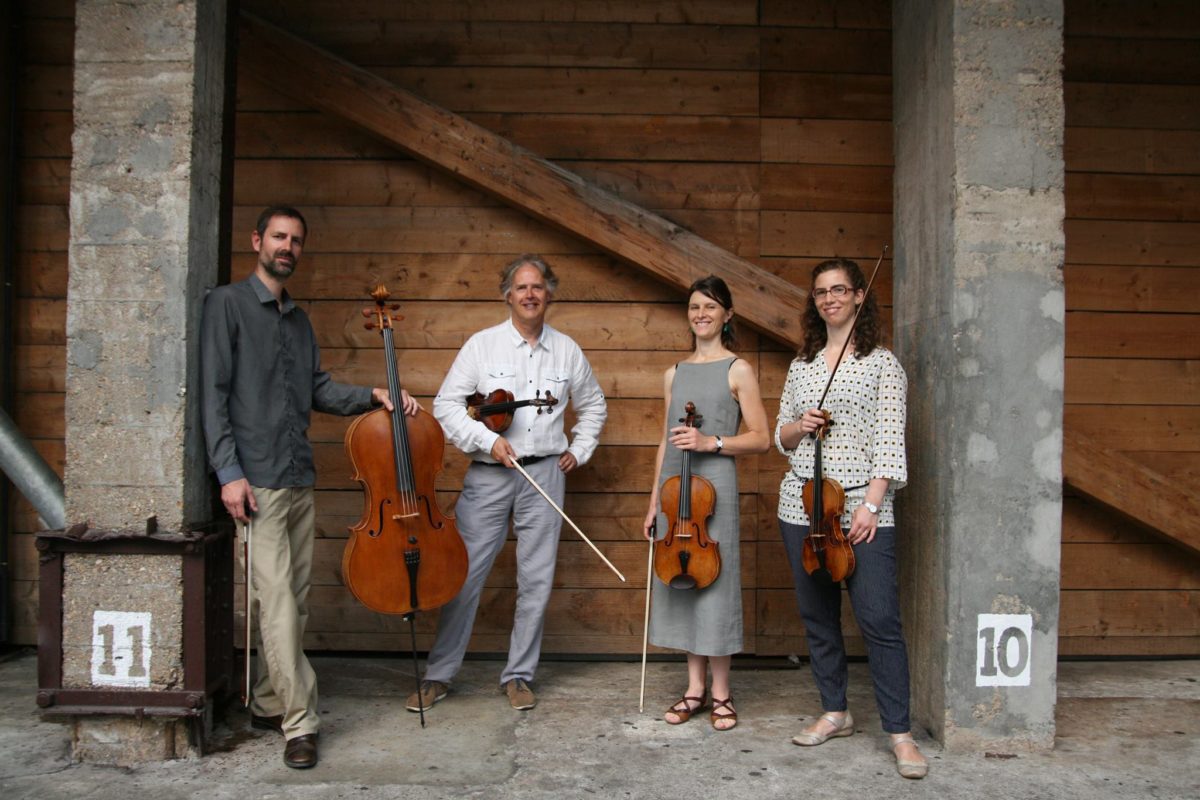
500	358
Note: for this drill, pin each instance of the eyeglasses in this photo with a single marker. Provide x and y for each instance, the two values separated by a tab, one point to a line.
838	290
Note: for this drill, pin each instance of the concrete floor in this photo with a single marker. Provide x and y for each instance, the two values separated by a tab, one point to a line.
1126	730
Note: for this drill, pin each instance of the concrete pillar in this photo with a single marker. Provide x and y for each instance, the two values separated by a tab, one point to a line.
979	326
145	216
145	191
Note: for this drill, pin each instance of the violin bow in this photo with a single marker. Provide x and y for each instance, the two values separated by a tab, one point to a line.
562	514
646	622
247	532
853	322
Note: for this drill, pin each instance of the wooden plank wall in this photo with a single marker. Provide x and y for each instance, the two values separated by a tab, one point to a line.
1132	73
691	112
764	126
43	139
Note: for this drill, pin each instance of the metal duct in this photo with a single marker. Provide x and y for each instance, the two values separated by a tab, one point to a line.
30	473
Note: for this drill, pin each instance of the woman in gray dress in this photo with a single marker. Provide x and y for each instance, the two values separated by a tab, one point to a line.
707	623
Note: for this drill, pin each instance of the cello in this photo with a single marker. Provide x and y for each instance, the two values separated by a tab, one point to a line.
404	555
826	546
687	558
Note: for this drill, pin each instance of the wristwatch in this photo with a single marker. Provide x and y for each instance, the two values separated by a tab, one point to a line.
720	443
874	509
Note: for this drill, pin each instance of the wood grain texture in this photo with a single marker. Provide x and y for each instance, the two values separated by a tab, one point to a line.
762	126
529	183
1116	482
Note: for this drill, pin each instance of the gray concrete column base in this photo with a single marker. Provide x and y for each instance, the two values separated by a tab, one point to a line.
129	741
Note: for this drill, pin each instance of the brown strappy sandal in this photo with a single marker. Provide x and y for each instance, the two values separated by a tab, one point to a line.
714	717
686	712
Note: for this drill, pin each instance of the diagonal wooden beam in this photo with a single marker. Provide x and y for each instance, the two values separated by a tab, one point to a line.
495	165
1133	490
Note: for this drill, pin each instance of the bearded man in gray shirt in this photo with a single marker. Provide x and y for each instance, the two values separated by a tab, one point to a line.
261	378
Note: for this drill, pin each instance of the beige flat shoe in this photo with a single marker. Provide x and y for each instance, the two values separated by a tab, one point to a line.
909	769
842	727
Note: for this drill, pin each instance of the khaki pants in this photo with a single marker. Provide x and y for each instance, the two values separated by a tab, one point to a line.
283	542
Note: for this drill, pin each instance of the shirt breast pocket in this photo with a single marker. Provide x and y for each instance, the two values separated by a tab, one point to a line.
500	376
558	384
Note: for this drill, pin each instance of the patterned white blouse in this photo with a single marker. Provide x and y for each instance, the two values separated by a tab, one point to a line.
868	403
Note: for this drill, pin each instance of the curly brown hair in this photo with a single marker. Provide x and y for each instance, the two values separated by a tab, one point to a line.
866	330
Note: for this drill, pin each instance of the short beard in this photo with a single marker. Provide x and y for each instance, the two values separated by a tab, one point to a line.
276	270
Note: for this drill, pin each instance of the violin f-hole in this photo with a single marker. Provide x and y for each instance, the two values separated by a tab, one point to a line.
379	528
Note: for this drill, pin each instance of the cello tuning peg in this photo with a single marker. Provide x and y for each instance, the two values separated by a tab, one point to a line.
366	312
370	326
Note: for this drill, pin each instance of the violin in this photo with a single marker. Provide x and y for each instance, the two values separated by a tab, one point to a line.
496	410
404	555
687	558
826	546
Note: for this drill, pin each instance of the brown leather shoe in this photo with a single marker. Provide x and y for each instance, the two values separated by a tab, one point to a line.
301	752
267	723
431	692
520	696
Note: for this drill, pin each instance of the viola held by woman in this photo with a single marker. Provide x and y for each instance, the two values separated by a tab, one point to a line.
687	558
826	546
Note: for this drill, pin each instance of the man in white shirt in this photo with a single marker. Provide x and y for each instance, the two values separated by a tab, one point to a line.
526	357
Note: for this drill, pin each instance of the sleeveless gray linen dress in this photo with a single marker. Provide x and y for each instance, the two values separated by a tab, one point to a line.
706	621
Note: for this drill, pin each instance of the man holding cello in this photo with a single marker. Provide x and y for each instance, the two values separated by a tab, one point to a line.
520	360
261	378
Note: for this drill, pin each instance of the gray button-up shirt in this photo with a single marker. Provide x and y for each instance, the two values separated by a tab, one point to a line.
261	375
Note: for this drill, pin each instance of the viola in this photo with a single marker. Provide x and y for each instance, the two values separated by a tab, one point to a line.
687	558
826	546
496	410
404	555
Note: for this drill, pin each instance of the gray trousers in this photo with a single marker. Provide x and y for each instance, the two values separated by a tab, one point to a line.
490	495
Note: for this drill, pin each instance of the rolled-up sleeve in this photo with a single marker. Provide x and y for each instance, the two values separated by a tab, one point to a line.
331	397
591	411
787	414
887	456
450	407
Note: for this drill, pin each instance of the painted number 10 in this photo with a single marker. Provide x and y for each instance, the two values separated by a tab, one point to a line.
1003	650
121	648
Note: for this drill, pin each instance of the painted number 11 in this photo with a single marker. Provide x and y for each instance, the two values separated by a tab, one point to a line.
121	648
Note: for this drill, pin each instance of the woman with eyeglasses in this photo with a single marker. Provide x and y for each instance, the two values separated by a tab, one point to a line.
864	451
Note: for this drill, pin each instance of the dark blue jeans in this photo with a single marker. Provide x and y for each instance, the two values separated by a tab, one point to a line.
873	596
